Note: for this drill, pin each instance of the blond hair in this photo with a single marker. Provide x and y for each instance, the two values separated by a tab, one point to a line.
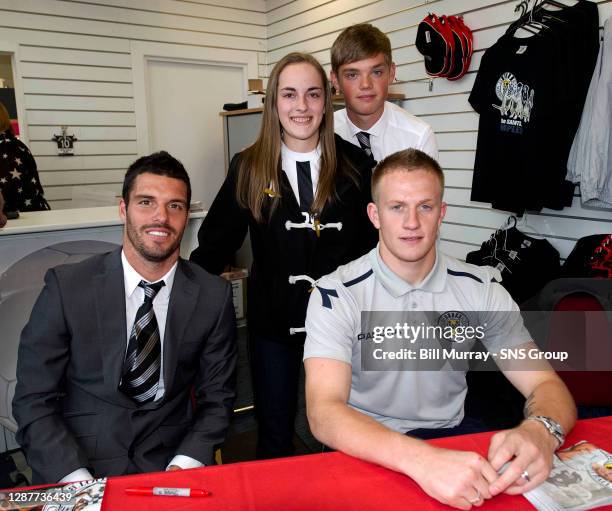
407	160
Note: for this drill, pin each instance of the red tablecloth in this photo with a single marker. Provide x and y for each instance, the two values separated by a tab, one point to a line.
320	482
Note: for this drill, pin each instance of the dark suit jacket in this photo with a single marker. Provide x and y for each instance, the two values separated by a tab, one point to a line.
67	404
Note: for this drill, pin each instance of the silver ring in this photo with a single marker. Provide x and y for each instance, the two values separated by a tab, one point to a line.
477	497
525	475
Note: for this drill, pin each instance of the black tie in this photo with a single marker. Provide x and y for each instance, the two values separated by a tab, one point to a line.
304	184
141	368
363	137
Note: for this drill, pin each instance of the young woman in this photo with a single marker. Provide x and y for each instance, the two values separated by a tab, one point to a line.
301	192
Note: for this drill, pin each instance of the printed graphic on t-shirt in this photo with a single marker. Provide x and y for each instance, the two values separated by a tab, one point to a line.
516	103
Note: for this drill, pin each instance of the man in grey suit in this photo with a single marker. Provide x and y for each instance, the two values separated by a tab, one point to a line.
127	363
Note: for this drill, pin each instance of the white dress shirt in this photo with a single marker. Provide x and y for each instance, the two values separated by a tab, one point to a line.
134	298
288	164
396	130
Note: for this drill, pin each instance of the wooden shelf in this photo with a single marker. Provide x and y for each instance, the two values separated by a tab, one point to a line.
244	111
337	98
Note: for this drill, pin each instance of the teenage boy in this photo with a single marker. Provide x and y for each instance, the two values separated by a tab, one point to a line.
362	70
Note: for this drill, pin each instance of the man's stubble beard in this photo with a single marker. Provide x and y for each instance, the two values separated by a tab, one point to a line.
140	247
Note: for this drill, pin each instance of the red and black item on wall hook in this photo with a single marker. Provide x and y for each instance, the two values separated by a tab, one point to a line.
447	44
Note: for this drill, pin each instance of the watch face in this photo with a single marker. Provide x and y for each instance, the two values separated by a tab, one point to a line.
556	430
556	427
553	427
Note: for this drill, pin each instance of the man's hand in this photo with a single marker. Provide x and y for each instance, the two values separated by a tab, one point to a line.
529	448
173	468
458	478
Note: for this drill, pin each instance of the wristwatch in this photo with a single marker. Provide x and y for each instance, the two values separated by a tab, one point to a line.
553	427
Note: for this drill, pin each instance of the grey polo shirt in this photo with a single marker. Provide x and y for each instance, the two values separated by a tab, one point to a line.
407	399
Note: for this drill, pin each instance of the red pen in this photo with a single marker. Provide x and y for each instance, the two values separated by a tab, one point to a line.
168	492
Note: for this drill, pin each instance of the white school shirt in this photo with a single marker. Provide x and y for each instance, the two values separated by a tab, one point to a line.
396	130
288	164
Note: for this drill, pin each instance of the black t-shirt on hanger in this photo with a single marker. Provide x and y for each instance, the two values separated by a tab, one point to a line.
579	25
577	28
518	92
526	263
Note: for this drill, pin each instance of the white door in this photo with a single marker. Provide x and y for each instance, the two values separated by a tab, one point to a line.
183	105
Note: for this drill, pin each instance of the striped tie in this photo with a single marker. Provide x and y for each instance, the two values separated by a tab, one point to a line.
304	184
363	137
141	368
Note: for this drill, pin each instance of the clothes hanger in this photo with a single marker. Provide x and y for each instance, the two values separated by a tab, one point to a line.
501	264
523	224
556	3
535	23
547	14
493	255
510	222
526	28
498	241
523	6
526	21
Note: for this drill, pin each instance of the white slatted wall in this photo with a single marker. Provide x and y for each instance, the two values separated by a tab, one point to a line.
76	70
312	26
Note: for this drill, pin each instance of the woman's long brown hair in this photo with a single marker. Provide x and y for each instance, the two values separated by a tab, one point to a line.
5	121
260	165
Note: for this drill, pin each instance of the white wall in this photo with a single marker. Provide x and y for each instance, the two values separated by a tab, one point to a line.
312	26
75	67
